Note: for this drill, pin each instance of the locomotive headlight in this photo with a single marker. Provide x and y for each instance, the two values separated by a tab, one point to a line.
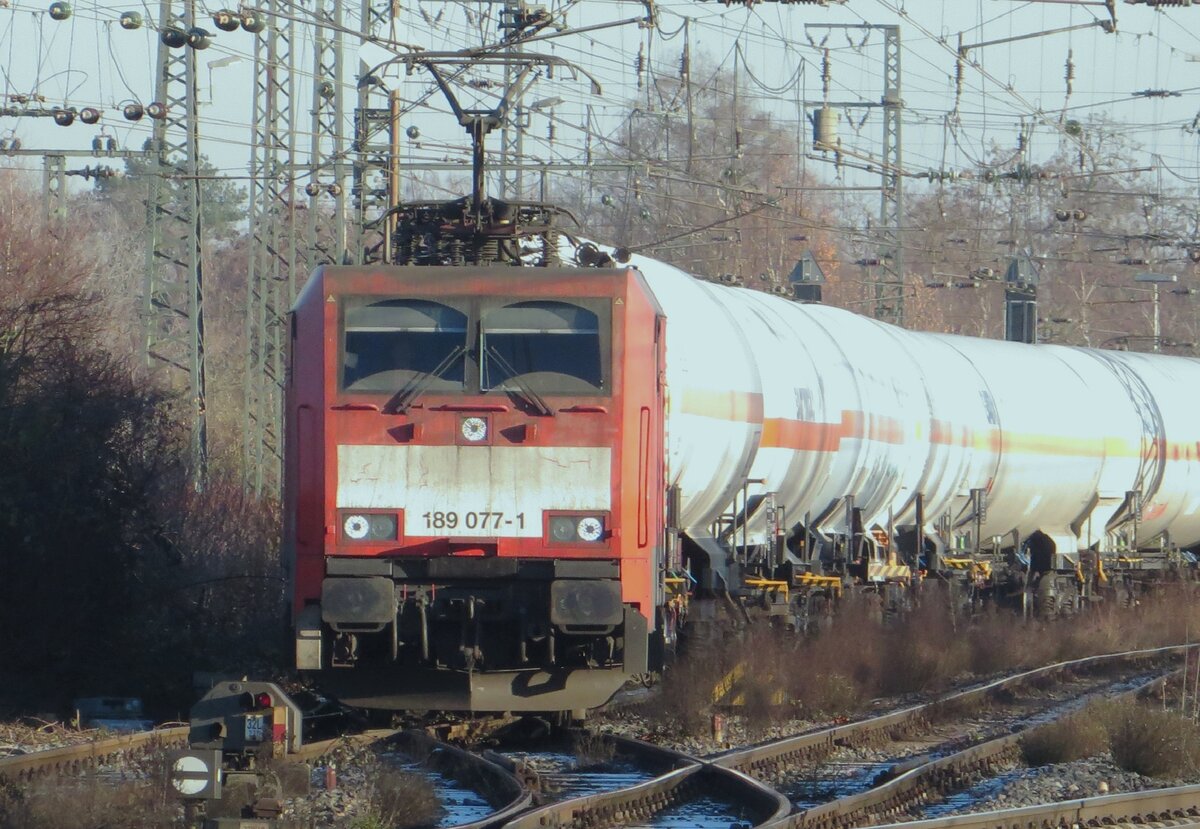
590	528
358	526
562	529
474	429
574	529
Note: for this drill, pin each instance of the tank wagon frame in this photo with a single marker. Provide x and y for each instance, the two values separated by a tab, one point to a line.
518	464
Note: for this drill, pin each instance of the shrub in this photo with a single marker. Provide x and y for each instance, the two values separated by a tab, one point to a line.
1151	741
400	800
1065	740
92	803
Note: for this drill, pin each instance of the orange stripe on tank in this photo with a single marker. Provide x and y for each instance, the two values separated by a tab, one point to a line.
815	436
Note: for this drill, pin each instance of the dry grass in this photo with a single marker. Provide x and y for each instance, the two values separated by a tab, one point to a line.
1065	740
398	800
1151	741
858	657
592	749
88	803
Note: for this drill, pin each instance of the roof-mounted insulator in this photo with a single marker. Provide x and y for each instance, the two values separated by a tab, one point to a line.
198	38
174	37
226	20
253	22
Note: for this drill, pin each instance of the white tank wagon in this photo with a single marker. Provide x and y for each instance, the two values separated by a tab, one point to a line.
849	425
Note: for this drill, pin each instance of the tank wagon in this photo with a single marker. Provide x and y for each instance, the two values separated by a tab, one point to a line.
507	486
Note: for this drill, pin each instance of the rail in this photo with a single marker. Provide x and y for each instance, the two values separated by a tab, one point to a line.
82	756
1179	806
685	779
626	805
816	744
949	773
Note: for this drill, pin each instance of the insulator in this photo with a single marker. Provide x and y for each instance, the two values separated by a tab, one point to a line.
60	11
133	112
413	133
326	89
89	115
64	117
1062	215
685	64
253	22
199	38
97	144
645	214
334	189
1078	214
550	131
14	145
157	110
110	145
174	37
312	189
606	200
825	134
226	20
131	20
1069	75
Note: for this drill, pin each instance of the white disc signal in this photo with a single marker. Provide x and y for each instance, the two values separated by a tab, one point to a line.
189	775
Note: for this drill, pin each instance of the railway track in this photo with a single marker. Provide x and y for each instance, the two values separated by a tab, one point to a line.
75	759
928	781
726	787
669	791
1173	807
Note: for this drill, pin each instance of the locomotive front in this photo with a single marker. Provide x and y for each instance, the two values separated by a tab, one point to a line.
473	485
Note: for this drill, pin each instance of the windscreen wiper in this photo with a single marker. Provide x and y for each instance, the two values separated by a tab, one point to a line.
531	397
417	384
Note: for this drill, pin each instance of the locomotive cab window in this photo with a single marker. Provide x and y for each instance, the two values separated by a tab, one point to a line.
389	343
553	347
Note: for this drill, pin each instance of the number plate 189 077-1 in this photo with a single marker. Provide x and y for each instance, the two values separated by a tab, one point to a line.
467	523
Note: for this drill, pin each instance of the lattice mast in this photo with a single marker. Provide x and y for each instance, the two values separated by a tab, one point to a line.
327	159
173	283
374	140
889	289
275	265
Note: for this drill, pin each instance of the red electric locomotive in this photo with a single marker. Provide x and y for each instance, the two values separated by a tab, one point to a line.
473	484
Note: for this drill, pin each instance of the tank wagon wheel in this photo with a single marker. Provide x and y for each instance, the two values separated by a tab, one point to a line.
1045	600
